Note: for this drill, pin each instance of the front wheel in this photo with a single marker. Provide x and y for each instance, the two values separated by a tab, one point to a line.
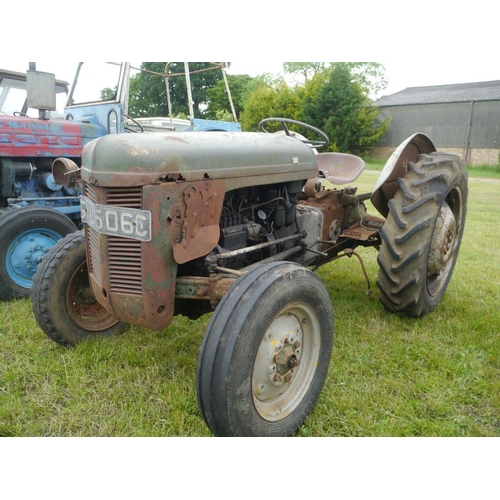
422	235
62	300
266	353
26	235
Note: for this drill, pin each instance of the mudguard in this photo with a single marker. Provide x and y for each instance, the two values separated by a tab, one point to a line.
396	167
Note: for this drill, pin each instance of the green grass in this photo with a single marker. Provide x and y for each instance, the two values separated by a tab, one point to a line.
484	171
389	376
374	163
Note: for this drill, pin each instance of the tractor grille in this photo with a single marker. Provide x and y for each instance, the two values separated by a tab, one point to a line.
123	254
93	247
124	265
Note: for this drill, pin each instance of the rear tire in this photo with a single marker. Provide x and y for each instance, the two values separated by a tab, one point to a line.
266	352
62	300
422	234
26	235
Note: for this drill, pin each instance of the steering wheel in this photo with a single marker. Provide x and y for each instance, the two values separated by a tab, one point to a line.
136	122
284	121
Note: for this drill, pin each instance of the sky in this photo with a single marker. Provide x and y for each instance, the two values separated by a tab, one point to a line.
420	44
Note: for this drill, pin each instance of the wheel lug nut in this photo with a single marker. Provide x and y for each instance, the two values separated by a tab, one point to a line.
296	344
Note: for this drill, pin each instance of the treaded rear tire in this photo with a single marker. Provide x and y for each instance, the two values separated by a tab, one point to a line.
426	220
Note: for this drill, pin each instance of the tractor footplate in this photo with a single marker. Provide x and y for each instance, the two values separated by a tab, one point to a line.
364	229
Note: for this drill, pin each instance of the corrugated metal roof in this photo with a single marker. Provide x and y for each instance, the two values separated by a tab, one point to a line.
459	92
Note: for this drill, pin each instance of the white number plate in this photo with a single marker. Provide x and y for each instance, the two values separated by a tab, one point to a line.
116	221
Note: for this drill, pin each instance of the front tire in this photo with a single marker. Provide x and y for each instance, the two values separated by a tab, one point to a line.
26	235
266	352
422	234
62	300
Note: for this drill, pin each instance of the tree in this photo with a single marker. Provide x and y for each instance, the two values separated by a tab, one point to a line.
148	95
218	100
337	103
106	93
270	100
305	70
371	75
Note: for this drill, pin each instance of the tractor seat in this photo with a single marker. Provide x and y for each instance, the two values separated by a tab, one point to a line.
340	168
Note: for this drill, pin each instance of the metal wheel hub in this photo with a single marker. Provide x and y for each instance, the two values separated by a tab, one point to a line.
286	362
278	357
85	311
26	252
287	359
443	241
34	256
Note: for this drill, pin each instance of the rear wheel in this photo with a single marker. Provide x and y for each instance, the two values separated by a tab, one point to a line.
266	353
26	235
63	302
422	235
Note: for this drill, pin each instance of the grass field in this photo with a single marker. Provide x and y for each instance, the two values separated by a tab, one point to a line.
389	376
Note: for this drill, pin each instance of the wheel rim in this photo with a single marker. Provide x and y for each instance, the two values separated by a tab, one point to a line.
444	243
84	310
26	252
286	362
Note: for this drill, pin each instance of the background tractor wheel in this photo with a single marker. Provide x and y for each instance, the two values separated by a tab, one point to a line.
422	234
26	235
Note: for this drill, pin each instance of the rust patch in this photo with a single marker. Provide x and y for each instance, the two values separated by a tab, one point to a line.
199	232
365	229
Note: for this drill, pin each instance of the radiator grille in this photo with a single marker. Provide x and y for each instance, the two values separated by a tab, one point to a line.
123	254
124	265
90	191
94	262
124	197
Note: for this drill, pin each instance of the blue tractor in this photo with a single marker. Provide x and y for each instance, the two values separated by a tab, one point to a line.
43	119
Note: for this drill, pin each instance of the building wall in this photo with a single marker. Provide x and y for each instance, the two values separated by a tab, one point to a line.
476	156
470	129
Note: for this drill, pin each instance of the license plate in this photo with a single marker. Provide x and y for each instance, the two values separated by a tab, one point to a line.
116	221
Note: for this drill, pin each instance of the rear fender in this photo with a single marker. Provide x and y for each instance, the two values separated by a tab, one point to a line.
397	166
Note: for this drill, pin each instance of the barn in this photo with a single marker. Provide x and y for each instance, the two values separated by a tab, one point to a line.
463	119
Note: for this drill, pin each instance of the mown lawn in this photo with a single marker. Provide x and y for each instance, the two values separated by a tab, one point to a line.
389	376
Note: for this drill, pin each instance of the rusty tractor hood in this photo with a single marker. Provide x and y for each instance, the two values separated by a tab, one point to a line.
238	158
